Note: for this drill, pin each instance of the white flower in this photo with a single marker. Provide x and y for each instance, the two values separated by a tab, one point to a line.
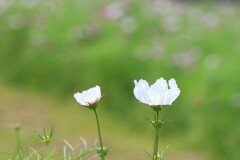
157	94
88	97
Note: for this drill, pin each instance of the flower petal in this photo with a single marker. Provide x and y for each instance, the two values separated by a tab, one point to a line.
97	93
163	84
172	94
157	91
140	91
88	97
172	83
79	98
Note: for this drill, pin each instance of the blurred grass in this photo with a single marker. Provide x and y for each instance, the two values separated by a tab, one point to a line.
59	47
71	122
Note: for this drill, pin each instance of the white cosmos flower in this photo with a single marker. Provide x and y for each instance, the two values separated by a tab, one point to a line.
157	94
88	97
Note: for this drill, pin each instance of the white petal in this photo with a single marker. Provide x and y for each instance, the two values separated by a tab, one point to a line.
172	83
89	96
157	91
163	83
172	94
97	93
86	97
79	99
92	95
154	95
140	90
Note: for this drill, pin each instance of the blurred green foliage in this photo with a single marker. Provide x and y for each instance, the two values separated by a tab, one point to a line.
60	47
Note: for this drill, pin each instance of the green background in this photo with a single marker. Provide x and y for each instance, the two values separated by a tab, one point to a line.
51	49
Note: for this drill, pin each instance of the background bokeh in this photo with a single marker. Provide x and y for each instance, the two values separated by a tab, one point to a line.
50	49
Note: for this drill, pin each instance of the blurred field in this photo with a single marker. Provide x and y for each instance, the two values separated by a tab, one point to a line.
51	49
36	112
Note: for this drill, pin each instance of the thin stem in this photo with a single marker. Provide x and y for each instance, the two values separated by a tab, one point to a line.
155	147
99	134
157	135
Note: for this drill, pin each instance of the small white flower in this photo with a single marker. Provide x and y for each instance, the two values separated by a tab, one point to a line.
157	94
88	97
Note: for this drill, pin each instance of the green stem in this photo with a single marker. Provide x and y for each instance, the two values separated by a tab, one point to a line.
99	134
155	147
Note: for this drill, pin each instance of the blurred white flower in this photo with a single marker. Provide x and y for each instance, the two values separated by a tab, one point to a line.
209	20
88	97
157	94
128	24
187	59
172	23
16	21
114	11
212	61
235	99
4	5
